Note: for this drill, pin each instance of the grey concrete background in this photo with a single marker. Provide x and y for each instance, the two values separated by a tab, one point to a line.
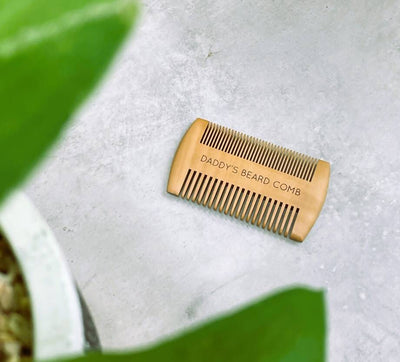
319	77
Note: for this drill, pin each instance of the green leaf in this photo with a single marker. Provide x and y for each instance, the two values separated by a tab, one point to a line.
288	326
52	53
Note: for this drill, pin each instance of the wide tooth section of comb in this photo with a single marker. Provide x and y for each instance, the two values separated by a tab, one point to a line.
258	151
253	208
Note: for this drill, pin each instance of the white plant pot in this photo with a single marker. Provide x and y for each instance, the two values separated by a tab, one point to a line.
56	311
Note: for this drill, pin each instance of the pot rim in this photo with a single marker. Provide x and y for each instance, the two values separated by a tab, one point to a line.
57	318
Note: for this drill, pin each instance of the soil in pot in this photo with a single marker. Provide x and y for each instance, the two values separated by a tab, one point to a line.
15	313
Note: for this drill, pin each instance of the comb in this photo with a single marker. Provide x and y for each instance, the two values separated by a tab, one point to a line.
252	180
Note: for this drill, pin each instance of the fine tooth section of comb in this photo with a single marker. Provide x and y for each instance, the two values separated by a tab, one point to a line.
251	207
258	151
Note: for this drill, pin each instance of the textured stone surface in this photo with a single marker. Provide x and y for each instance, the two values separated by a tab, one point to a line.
319	77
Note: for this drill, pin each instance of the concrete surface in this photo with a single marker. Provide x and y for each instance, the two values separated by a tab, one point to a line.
319	77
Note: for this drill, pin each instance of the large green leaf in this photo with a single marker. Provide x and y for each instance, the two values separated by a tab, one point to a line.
52	53
289	326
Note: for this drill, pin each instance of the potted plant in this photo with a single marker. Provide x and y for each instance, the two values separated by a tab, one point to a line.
36	286
51	56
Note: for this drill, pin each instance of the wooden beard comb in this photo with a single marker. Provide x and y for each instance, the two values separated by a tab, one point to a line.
263	184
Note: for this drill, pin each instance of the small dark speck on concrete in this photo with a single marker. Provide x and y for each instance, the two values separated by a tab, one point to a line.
191	310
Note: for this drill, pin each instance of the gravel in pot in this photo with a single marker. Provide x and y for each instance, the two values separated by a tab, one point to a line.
15	312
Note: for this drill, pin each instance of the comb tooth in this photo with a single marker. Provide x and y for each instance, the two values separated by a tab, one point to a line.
289	222
275	219
231	201
213	192
215	135
246	148
186	183
303	169
283	220
195	191
237	201
206	186
293	222
254	208
195	183
203	189
209	134
272	215
306	168
203	185
227	138
257	210
280	219
300	166
309	168
232	142
276	157
242	203
244	206
252	148
237	143
283	160
225	201
303	166
267	210
271	156
243	147
216	195
289	162
221	199
189	185
278	154
239	146
249	208
263	154
207	130
271	211
267	155
207	191
219	136
295	165
255	150
224	135
313	170
280	158
285	229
